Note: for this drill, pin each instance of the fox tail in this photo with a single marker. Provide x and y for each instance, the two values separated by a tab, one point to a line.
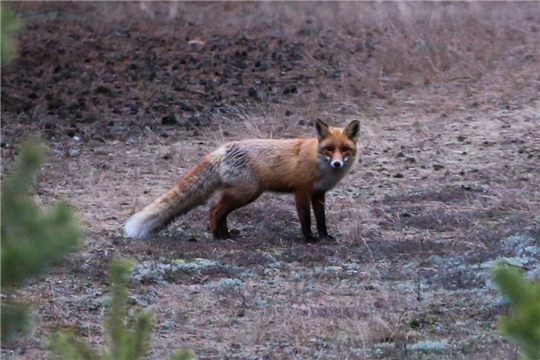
192	190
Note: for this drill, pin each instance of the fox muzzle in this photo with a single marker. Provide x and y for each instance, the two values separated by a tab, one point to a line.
337	164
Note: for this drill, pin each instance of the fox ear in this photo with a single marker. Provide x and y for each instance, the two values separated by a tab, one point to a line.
352	130
322	129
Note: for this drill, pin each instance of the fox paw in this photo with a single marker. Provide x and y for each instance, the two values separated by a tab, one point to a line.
220	235
311	239
327	237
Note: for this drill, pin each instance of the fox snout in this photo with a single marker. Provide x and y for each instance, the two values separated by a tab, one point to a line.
336	164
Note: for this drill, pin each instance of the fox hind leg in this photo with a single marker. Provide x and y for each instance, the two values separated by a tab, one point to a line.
231	199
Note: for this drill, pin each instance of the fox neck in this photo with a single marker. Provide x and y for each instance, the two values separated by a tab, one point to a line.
330	176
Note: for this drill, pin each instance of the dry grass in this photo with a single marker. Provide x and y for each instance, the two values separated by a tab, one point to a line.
447	94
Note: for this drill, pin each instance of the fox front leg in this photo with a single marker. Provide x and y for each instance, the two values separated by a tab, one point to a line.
302	207
317	202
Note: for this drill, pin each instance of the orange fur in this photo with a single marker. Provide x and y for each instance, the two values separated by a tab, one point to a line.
243	170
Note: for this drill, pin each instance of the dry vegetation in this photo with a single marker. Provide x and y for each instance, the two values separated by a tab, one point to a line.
128	96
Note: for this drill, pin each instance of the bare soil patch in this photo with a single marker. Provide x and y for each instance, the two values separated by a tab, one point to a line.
128	96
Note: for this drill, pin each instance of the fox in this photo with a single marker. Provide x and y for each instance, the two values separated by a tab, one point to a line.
243	170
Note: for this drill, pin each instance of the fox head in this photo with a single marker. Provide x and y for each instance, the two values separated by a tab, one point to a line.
337	146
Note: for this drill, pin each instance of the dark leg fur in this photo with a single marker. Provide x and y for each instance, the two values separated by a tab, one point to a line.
317	202
231	199
302	207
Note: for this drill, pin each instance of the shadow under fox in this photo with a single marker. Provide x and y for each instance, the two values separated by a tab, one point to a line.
243	170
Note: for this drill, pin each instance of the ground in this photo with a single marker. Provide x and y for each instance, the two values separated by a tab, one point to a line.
128	96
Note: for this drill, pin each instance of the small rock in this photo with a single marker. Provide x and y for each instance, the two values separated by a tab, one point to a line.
74	152
74	106
438	167
170	119
185	106
290	90
166	325
133	109
203	119
254	93
410	159
103	90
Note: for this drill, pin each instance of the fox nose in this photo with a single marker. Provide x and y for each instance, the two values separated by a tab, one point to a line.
337	164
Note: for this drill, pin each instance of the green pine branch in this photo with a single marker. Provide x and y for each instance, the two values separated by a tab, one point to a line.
32	239
10	25
523	326
123	342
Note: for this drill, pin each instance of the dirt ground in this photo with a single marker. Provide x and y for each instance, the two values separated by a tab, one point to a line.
128	96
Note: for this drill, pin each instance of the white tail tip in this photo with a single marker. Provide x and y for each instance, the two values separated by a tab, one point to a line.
136	227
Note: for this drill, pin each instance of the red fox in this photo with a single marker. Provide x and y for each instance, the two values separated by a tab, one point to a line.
243	170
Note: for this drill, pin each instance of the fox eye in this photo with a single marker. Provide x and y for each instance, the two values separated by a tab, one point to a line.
345	149
329	148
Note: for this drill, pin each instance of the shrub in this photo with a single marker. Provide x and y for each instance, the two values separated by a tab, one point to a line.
523	326
32	239
9	27
123	342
